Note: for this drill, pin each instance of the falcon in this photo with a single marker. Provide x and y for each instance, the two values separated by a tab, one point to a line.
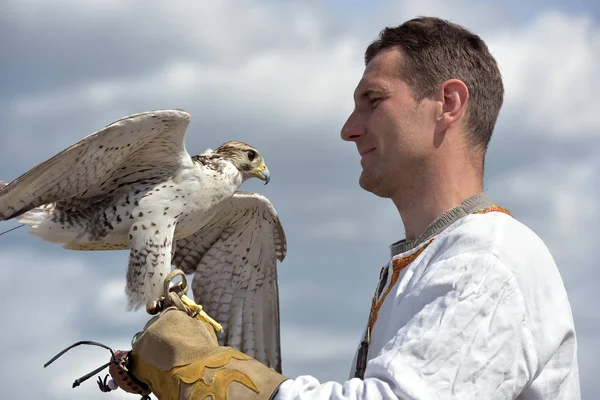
133	186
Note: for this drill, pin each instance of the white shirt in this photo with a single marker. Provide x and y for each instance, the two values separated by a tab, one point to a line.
480	313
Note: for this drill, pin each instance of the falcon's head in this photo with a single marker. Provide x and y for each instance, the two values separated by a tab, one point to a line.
246	159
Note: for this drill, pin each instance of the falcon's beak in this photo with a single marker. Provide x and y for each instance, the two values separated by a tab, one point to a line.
263	173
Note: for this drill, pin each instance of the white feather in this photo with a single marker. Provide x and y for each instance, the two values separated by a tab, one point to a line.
234	262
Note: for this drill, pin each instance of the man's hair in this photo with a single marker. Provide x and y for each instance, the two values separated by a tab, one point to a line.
435	50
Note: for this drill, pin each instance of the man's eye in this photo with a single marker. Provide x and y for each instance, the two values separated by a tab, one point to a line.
373	102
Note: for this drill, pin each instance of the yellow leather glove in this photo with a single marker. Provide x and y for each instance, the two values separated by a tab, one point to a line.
178	356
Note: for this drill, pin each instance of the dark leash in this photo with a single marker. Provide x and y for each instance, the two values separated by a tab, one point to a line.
118	366
121	377
11	229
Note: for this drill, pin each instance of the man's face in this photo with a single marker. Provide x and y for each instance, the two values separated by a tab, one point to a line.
393	132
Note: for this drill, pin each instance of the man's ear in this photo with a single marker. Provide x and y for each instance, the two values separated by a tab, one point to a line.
453	96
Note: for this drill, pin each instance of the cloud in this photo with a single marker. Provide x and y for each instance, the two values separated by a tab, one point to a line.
558	199
550	72
281	76
196	53
319	345
279	81
45	299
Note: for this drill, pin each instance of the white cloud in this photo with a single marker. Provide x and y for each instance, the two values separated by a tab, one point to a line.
550	72
47	297
59	376
111	303
295	87
476	16
290	66
39	287
561	198
282	63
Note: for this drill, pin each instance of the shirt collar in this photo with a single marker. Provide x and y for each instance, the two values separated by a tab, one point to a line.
470	205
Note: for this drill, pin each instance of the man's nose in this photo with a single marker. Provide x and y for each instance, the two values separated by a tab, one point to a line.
353	129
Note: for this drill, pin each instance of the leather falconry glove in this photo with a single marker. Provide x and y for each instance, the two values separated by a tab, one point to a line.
177	357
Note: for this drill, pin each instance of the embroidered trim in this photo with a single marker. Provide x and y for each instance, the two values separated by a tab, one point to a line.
400	263
492	208
397	265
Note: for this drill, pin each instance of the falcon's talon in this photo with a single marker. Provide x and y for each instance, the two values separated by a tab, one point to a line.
103	384
199	313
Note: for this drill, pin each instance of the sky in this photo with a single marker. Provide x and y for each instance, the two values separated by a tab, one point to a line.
280	76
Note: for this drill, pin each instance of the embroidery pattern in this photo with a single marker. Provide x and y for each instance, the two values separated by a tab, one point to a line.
397	265
493	208
400	263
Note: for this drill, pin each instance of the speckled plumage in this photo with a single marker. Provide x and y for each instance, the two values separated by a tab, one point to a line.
132	185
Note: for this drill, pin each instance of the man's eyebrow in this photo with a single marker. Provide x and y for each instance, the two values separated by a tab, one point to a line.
371	90
362	94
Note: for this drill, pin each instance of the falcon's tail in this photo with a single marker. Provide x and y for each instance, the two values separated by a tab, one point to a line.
33	218
42	225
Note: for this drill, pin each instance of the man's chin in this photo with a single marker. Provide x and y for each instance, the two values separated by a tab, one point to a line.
372	184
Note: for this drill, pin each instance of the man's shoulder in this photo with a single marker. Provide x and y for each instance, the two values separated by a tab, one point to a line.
493	233
507	248
494	262
499	242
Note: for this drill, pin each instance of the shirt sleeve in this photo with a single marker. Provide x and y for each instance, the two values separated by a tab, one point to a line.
459	332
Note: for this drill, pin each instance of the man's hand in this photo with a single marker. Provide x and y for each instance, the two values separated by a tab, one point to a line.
178	356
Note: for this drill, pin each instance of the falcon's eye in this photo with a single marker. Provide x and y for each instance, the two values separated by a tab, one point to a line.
251	155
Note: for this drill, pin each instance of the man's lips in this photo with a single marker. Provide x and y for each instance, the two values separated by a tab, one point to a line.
365	151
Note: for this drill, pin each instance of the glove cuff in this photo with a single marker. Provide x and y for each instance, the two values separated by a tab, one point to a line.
226	373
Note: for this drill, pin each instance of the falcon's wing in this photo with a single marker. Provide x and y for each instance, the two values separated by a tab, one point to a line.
234	261
108	153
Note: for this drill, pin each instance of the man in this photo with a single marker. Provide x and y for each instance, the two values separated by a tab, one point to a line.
471	305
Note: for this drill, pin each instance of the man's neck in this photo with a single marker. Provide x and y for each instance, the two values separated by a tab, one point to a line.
474	203
430	201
